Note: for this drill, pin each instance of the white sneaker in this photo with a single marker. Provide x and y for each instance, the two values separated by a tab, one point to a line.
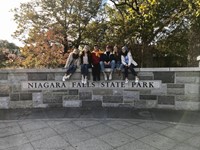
110	76
136	79
68	76
64	78
126	80
105	77
82	79
85	80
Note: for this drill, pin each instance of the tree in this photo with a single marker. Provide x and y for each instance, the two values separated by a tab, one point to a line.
70	17
150	21
194	42
9	53
67	19
46	51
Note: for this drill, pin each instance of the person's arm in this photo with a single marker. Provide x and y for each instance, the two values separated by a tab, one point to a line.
69	59
131	61
112	57
78	63
123	60
90	58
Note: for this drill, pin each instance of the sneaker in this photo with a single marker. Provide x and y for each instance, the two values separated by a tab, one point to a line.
110	76
126	80
105	77
63	79
136	79
82	79
67	77
85	80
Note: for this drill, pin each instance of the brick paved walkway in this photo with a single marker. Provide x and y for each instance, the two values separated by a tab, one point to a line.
97	134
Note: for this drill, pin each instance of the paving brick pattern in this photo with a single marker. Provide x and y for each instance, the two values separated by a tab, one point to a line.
97	134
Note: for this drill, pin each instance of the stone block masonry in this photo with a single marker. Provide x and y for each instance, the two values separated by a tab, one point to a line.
159	88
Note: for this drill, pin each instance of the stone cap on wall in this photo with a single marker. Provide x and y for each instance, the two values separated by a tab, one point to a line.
107	69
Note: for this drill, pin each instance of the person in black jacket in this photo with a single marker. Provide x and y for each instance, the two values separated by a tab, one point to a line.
85	62
107	59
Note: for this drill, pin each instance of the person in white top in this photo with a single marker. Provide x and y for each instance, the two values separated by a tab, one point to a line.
128	63
71	64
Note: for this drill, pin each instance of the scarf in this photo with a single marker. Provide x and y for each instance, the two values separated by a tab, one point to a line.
97	53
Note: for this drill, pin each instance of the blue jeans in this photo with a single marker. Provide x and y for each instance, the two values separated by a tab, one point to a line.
111	65
84	69
71	69
119	65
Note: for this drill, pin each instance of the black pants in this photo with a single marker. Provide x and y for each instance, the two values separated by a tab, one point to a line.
96	72
131	67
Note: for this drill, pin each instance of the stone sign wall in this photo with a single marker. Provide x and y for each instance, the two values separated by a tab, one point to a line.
74	84
161	88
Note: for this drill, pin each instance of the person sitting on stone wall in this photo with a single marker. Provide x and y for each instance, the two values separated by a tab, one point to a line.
128	63
85	61
107	60
96	53
71	64
117	55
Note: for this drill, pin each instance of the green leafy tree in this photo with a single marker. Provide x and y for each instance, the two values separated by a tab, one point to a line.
194	42
67	19
146	22
70	17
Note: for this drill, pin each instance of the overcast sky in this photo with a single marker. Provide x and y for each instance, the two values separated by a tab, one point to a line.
8	26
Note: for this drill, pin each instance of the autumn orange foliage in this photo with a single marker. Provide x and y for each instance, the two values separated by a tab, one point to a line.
44	50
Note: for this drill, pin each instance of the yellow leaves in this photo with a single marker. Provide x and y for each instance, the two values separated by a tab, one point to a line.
130	10
197	13
152	2
143	7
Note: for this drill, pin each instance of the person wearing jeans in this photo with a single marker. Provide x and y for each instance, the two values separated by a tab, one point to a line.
107	60
128	63
117	55
85	60
71	64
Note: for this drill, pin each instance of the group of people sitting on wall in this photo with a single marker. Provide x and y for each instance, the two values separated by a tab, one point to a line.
113	58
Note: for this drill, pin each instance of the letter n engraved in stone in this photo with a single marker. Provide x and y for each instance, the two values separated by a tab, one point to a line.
30	85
